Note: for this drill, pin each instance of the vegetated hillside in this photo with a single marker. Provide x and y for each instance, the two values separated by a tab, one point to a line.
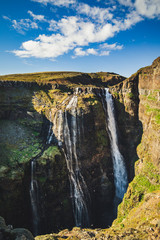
65	78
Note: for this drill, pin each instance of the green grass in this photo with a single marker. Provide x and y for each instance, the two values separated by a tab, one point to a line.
147	181
152	98
155	112
131	95
64	78
40	77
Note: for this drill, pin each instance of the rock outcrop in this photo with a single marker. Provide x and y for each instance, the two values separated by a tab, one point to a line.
29	113
8	233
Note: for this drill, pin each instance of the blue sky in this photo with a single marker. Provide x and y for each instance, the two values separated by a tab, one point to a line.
72	35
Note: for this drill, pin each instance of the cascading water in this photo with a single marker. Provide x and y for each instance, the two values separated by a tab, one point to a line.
120	172
50	132
78	188
34	199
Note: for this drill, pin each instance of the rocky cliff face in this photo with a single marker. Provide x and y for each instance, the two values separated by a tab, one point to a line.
32	120
140	206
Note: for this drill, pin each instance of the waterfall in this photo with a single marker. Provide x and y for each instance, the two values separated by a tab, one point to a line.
50	132
120	172
34	198
78	188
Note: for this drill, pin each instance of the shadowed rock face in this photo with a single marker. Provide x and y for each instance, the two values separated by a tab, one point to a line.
7	232
32	123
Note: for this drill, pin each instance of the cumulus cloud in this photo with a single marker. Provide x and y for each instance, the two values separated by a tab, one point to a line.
113	46
36	17
96	13
65	3
89	51
76	33
23	25
126	2
73	32
103	50
148	8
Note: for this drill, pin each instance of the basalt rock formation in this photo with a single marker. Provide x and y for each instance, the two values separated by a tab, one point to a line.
38	111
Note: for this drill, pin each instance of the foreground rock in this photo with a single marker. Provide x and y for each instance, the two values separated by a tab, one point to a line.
8	233
142	223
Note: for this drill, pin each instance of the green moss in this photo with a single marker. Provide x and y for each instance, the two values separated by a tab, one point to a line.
42	179
51	152
19	144
142	185
90	98
147	181
131	95
115	94
155	112
149	170
152	98
101	138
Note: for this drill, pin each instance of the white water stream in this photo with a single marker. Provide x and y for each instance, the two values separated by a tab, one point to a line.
120	172
78	188
34	199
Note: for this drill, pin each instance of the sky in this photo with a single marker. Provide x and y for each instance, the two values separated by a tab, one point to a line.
118	36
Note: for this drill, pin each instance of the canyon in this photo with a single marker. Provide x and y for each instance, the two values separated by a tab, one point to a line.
62	134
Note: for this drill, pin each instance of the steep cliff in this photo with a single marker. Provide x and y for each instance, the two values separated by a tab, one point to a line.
147	173
137	109
30	112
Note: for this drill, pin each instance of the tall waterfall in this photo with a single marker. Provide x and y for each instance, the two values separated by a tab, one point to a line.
78	188
34	198
120	172
50	132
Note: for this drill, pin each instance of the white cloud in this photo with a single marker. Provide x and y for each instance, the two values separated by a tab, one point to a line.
96	13
24	25
65	3
45	47
6	18
103	50
148	8
89	51
36	17
130	20
126	2
79	52
76	32
113	46
73	32
104	53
